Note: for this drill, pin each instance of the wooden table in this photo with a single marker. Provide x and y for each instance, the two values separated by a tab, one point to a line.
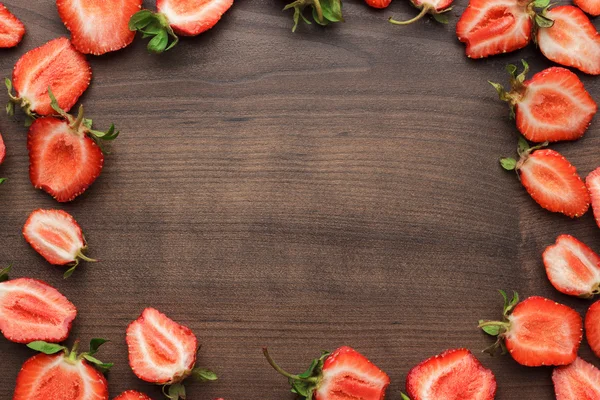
301	191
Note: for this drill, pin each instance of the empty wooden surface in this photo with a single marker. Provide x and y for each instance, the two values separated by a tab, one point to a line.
303	191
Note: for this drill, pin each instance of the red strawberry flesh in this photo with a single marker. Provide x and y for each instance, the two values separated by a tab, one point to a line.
454	374
98	26
592	327
593	184
160	350
32	310
578	381
11	29
57	65
192	17
132	395
572	267
2	150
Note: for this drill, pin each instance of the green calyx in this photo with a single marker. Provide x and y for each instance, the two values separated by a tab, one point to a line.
404	397
21	102
155	26
71	356
175	389
73	266
2	180
83	126
523	151
499	329
439	16
324	12
540	17
518	88
4	273
306	383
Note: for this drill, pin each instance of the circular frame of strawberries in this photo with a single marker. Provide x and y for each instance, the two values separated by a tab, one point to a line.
66	157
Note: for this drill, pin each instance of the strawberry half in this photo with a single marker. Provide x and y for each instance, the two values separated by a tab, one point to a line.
57	237
56	65
11	29
552	106
592	327
491	27
132	395
593	184
98	26
436	8
177	17
323	12
162	351
591	7
549	179
58	373
454	374
343	374
578	381
536	332
33	310
64	156
378	3
572	267
572	39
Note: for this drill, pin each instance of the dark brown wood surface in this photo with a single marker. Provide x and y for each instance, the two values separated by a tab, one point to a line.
303	191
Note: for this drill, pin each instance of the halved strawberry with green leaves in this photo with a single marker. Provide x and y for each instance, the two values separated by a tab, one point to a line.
64	153
343	374
323	12
593	184
11	29
57	237
454	374
98	26
571	40
552	106
436	8
177	17
592	327
33	310
572	267
549	179
536	332
577	381
162	351
132	395
59	373
56	65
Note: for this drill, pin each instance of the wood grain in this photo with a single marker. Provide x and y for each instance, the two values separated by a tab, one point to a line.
301	191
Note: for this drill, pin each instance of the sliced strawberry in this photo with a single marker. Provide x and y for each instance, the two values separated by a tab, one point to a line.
11	29
132	395
343	374
98	26
64	157
32	310
572	40
592	327
454	374
536	332
593	184
57	65
572	267
162	351
378	3
550	179
578	381
61	374
177	17
490	27
2	150
436	8
57	237
552	106
591	7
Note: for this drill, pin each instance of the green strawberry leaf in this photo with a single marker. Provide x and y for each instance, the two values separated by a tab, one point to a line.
508	163
176	391
332	10
204	375
99	365
46	348
522	145
442	18
141	19
543	21
404	397
95	344
4	273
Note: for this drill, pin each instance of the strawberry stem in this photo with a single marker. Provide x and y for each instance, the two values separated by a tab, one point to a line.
79	120
319	10
85	258
285	373
425	10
